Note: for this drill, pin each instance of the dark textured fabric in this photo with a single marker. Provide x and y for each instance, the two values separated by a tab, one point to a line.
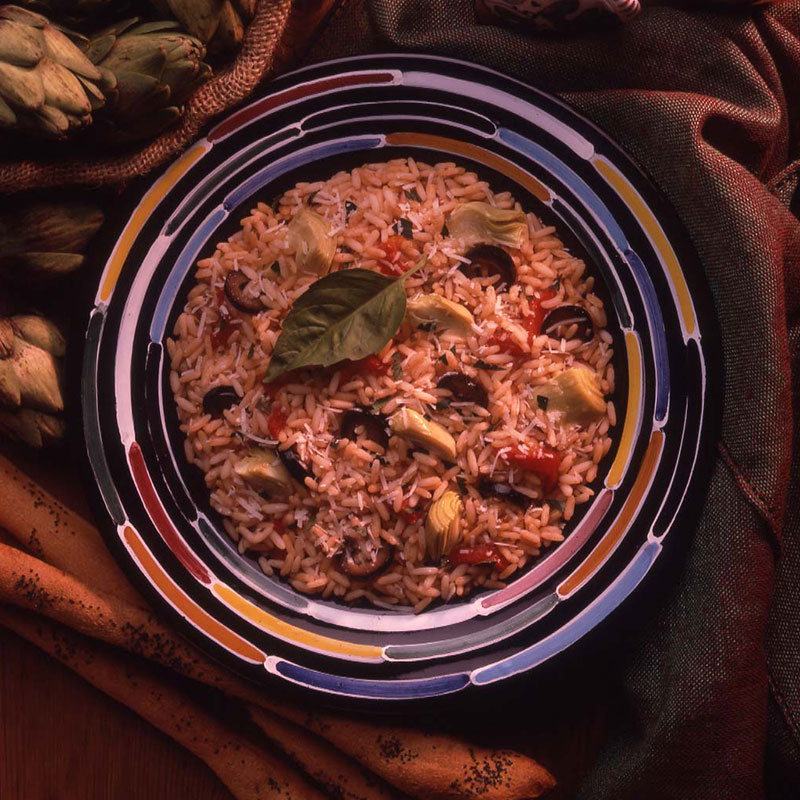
707	693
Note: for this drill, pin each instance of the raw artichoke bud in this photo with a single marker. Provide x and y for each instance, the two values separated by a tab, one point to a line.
45	240
439	312
310	238
426	433
575	394
443	525
479	222
34	428
264	471
156	67
47	84
30	375
219	23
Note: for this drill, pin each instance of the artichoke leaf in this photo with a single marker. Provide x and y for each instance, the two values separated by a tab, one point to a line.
309	237
480	222
575	395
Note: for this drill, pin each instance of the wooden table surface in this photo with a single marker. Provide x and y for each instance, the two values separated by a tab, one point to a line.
62	739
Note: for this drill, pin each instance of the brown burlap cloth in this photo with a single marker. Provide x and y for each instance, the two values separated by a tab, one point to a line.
229	86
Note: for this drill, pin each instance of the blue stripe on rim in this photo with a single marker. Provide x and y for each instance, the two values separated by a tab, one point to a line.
182	266
399	689
578	626
284	165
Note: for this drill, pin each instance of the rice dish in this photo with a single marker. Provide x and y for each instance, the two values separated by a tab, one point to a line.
473	432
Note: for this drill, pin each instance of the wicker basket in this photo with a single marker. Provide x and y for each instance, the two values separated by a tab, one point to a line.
226	89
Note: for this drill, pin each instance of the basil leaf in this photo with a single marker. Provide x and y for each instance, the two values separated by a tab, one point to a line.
542	401
349	314
276	267
397	367
445	231
461	482
404	228
413	194
349	207
379	404
481	364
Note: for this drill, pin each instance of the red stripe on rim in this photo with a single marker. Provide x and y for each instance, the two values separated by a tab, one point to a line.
565	550
159	516
260	107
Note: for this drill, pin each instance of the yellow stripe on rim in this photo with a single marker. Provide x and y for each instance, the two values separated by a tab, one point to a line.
657	236
142	212
632	411
196	615
615	533
507	168
291	633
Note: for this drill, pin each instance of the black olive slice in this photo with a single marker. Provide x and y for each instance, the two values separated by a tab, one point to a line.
463	388
489	488
562	317
374	427
293	465
235	285
350	562
219	398
488	259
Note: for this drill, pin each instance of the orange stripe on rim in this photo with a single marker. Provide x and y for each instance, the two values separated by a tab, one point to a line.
143	210
506	167
196	615
657	235
633	351
615	533
291	633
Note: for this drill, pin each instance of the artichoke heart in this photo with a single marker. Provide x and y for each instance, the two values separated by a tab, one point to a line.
434	309
443	525
575	394
30	374
309	237
479	222
411	424
264	471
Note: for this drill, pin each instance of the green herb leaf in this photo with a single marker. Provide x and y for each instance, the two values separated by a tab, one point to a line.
481	364
453	350
556	285
542	401
348	314
445	231
397	367
413	194
309	524
251	351
276	267
461	482
404	228
443	358
349	207
556	504
311	197
379	404
426	326
443	404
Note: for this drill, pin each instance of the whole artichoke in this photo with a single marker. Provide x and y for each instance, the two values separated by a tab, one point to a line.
46	83
218	23
156	68
44	240
30	379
